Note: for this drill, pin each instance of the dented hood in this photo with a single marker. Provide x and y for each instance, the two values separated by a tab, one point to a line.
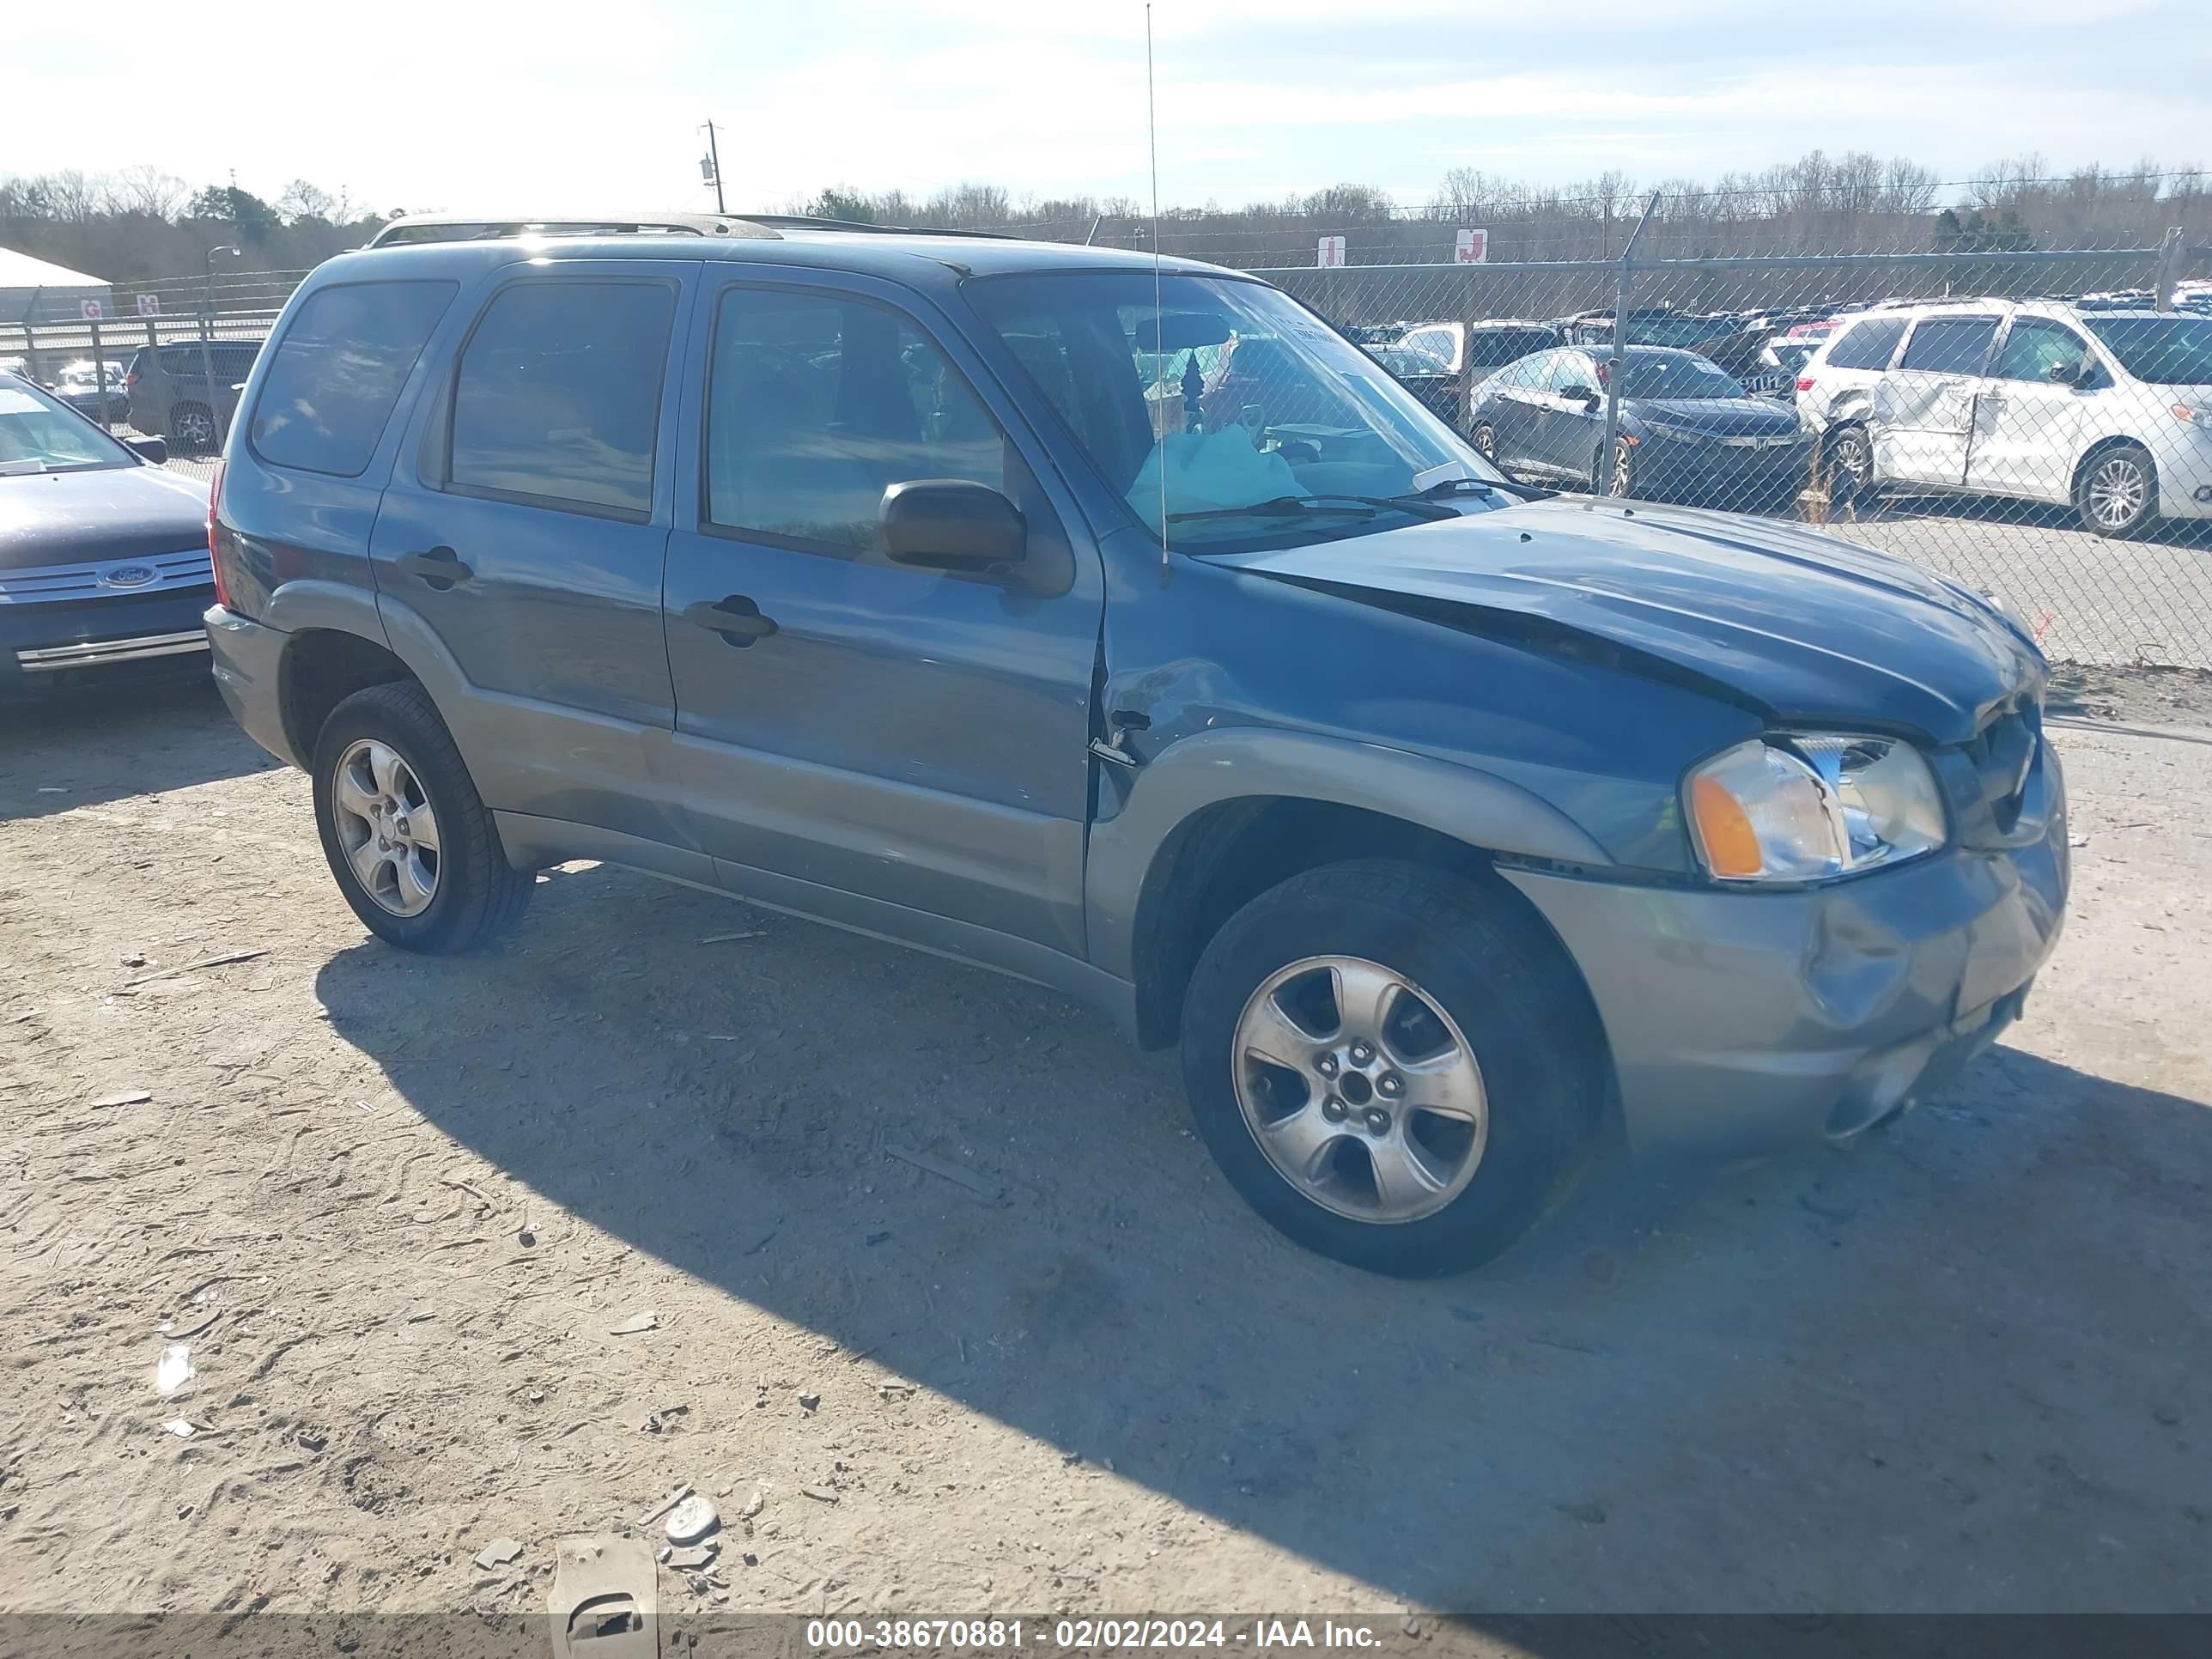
1807	626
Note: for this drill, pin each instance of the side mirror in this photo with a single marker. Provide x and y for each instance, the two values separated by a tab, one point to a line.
155	450
2068	373
1583	395
950	523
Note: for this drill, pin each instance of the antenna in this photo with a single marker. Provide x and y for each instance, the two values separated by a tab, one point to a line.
1159	335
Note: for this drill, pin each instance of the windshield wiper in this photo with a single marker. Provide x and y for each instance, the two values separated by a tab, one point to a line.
1487	487
1287	507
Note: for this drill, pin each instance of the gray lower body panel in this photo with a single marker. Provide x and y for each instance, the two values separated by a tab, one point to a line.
1744	1022
247	658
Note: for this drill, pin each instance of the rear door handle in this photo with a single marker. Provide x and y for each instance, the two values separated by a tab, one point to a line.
735	618
440	567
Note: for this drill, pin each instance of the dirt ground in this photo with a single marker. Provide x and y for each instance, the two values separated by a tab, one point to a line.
399	1212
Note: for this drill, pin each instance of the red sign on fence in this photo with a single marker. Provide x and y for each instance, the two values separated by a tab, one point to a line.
1474	247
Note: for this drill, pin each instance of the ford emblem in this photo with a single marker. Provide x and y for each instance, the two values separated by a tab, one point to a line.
128	575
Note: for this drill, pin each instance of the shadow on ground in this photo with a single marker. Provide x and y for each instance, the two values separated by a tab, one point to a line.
103	743
1959	1366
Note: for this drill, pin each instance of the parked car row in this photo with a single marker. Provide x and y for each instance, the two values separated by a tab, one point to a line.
2099	402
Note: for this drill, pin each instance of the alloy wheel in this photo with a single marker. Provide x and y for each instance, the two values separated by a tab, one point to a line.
1360	1090
193	429
2118	491
387	827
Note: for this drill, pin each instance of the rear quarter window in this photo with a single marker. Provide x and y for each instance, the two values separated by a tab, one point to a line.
1869	344
338	371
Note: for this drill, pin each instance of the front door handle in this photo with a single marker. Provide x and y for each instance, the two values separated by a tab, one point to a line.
440	567
736	618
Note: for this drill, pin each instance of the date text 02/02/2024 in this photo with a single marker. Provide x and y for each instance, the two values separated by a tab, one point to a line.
1098	1635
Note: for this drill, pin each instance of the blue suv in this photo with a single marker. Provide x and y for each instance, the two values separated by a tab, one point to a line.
1124	628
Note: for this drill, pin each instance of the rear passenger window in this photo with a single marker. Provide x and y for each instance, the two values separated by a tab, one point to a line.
1950	346
816	405
1867	345
557	398
338	372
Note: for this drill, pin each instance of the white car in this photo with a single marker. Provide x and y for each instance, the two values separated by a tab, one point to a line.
2107	410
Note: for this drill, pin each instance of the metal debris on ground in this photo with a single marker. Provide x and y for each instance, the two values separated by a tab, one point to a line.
951	1172
665	1506
693	1558
498	1553
181	1428
174	1369
810	1403
692	1520
606	1601
730	939
194	967
637	1323
128	1097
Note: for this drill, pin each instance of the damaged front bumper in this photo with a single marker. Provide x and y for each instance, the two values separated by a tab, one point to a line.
1742	1021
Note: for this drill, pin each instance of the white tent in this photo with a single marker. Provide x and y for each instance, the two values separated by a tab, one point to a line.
36	291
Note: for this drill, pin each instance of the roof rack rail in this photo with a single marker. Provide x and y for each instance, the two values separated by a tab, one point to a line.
414	229
808	221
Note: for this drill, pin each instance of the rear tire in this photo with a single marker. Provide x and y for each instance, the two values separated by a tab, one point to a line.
474	893
2117	494
1388	1152
191	428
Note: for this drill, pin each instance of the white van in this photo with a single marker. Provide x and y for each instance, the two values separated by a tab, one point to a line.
2107	410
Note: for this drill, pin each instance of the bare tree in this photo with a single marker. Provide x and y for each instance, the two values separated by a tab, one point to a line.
146	190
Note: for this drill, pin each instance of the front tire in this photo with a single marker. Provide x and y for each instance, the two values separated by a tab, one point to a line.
2117	494
408	840
1850	464
1395	1067
1620	480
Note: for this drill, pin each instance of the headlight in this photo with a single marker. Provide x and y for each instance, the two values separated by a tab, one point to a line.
1807	808
2196	415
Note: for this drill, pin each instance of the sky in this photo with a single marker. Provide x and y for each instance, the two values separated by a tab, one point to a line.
590	105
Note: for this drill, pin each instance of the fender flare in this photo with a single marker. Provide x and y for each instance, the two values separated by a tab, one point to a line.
1468	804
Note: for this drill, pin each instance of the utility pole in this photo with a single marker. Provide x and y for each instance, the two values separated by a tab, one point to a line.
714	168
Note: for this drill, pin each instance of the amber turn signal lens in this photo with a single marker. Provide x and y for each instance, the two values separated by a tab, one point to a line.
1724	830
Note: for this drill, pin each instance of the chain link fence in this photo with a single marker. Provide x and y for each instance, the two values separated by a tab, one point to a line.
2036	423
164	358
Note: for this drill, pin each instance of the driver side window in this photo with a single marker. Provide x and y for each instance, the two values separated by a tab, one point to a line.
817	404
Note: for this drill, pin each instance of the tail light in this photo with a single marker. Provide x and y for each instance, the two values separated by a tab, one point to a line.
1804	383
214	559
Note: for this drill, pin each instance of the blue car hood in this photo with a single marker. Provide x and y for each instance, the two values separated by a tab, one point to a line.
1805	627
108	513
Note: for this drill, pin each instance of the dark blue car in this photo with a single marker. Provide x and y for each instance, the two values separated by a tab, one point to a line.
1689	431
103	553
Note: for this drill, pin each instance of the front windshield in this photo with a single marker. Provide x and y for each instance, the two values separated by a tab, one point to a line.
1232	396
2159	350
1676	375
37	435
